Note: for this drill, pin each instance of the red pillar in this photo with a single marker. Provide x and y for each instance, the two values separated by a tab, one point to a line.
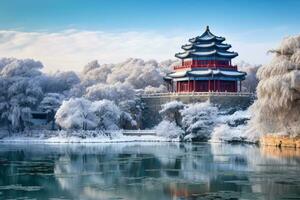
236	88
240	86
194	89
214	85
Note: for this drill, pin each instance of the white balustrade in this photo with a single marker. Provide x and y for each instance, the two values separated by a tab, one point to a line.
244	94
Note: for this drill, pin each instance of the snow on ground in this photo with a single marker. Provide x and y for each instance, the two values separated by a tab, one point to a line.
223	127
82	137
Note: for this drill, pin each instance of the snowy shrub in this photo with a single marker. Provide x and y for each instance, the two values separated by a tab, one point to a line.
51	101
132	108
107	114
198	120
231	127
168	129
193	121
127	121
80	113
171	111
76	113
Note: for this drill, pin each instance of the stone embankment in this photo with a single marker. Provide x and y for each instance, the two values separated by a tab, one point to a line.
153	102
280	141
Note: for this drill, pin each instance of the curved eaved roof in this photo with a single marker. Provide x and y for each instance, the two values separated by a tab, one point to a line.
224	54
206	36
207	72
207	45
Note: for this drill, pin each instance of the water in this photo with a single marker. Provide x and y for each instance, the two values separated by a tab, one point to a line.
148	171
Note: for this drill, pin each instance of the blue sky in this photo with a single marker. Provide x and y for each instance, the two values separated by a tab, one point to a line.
263	23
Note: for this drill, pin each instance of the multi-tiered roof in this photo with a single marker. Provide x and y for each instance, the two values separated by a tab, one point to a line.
206	66
206	46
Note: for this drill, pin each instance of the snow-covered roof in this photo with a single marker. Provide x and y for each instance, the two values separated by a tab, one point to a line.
207	72
233	73
216	72
205	53
194	53
227	46
182	55
206	45
201	72
177	74
207	36
227	53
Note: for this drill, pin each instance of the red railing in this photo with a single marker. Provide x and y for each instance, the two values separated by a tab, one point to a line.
205	64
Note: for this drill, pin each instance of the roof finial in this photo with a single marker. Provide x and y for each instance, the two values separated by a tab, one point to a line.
207	28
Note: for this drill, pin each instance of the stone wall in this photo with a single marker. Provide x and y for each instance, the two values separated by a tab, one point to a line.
152	104
280	141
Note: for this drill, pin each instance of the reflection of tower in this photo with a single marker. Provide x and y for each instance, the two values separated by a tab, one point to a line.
186	190
205	66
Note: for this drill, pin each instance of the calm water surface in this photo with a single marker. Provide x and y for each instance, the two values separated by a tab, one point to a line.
148	171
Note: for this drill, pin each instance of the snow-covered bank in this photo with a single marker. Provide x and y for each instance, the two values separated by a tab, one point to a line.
181	123
80	137
147	138
204	122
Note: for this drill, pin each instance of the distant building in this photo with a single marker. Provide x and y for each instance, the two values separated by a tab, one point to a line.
42	120
205	66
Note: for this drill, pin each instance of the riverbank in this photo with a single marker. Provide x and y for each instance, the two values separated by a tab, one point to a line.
46	136
280	141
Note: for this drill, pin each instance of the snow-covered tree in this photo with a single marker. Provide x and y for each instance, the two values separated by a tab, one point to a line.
51	102
189	122
76	113
4	102
117	92
151	89
80	113
198	120
169	130
132	113
21	91
93	73
107	114
58	82
171	111
11	67
251	81
277	107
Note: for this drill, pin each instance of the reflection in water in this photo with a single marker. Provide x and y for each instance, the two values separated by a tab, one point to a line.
148	171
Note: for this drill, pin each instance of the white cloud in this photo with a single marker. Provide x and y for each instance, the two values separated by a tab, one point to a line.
72	49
